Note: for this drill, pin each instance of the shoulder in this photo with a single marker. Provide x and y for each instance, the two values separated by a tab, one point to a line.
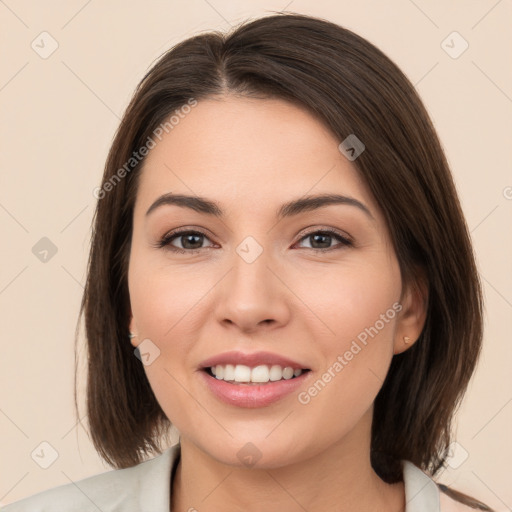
144	487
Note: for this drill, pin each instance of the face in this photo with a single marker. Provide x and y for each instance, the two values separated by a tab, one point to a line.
243	288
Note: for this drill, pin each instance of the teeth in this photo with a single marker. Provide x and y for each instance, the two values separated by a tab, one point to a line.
242	373
229	372
259	374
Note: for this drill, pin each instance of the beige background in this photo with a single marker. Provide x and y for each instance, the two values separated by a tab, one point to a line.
59	117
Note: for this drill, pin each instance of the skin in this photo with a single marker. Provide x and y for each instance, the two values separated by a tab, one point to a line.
250	156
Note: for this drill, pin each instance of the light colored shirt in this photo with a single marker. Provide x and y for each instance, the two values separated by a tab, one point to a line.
146	487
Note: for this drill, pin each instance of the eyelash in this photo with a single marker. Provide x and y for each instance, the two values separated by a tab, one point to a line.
165	242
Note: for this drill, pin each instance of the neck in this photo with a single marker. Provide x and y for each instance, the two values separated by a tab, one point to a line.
340	478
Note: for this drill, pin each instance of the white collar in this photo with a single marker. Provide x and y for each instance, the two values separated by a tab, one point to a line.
421	492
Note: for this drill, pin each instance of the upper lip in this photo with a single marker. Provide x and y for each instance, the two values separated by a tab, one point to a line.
252	359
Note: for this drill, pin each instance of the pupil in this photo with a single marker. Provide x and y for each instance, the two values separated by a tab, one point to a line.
194	246
325	237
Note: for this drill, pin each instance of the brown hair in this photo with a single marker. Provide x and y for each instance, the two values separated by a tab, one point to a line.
354	89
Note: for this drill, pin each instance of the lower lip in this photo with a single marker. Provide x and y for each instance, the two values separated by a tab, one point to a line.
252	395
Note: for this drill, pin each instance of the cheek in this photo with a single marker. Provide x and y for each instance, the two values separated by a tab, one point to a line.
162	303
342	304
168	304
164	299
358	310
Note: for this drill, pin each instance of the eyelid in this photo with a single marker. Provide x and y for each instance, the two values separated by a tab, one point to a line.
310	230
165	241
345	240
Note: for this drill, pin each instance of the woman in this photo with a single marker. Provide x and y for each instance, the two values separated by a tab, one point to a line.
280	268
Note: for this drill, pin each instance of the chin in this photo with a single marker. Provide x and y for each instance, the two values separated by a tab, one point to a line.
257	452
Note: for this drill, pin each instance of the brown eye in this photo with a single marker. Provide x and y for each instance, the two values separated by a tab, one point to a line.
190	241
321	240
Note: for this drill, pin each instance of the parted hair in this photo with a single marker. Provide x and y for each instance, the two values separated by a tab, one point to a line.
353	88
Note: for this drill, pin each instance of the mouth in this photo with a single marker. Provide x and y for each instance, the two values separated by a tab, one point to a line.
250	380
239	374
255	379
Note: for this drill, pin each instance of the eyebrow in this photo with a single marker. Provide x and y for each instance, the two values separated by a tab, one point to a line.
292	208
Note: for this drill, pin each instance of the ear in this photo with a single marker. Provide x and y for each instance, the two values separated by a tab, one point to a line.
413	314
133	330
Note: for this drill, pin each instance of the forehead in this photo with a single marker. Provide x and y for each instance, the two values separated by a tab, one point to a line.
250	153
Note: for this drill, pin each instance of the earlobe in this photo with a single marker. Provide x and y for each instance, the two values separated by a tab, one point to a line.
403	344
412	317
132	332
133	339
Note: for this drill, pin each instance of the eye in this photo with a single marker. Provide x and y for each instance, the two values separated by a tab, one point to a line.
321	240
191	241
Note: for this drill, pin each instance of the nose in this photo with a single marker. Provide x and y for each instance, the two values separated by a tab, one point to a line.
252	296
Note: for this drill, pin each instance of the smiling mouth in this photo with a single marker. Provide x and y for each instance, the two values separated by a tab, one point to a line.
258	375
